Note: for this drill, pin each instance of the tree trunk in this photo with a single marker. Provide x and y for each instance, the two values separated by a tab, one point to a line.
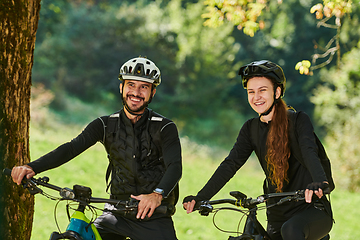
18	25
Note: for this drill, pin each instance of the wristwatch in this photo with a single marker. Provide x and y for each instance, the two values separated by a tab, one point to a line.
159	191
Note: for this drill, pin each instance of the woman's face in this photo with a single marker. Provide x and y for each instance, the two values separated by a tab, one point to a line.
261	94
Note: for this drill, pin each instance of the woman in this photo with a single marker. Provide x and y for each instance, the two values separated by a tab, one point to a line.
265	83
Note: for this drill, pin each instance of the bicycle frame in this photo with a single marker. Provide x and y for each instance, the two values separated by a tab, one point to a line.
253	227
79	227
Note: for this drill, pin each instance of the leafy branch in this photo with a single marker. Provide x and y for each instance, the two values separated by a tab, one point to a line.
324	12
242	13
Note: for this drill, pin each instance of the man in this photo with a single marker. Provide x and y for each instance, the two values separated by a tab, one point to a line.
144	157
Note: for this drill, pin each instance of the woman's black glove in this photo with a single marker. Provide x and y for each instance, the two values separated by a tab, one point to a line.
314	186
190	198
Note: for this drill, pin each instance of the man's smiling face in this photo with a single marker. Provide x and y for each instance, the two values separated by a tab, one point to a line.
136	94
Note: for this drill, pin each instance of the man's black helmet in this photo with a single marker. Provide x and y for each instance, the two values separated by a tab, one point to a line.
264	68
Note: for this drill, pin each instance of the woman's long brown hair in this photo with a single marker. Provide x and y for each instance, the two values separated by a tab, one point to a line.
278	147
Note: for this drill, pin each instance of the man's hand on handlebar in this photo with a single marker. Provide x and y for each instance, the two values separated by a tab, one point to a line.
316	187
18	173
148	203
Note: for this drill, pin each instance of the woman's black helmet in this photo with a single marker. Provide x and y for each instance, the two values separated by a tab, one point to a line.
264	68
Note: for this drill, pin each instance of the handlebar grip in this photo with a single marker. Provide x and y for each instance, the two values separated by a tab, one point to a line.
7	171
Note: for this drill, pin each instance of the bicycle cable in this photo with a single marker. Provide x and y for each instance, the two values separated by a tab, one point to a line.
49	196
245	213
55	218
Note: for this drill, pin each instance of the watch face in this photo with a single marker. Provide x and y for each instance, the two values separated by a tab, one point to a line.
159	190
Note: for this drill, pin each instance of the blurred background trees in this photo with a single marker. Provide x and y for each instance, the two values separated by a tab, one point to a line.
81	45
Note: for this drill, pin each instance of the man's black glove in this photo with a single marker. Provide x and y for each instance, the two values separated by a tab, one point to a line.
316	185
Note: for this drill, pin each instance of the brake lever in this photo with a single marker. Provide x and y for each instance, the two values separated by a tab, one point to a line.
205	209
298	197
285	199
31	186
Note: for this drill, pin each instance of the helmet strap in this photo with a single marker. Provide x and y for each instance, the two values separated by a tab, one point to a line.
271	107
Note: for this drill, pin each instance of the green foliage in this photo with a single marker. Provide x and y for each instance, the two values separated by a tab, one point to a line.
330	9
81	45
337	108
204	61
82	57
242	13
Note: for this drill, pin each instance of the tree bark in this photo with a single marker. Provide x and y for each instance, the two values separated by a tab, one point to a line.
18	24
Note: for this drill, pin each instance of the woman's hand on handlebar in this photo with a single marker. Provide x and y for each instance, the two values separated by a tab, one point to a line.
189	203
18	173
317	188
148	203
189	206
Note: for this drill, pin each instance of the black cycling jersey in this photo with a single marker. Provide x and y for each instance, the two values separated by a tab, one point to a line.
298	175
95	132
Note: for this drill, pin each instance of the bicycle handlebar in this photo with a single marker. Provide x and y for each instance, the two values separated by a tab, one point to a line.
79	193
206	207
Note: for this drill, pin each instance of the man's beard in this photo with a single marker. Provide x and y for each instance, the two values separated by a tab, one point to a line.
137	110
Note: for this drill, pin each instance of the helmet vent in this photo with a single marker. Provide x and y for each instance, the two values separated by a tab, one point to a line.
140	69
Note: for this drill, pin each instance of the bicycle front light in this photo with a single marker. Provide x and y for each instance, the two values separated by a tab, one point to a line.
67	193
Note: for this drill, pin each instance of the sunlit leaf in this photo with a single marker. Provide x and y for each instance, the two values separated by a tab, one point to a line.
303	67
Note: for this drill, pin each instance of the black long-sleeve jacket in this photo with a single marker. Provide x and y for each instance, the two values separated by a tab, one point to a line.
299	176
95	132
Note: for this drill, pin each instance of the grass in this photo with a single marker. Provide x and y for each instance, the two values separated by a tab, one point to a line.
199	162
